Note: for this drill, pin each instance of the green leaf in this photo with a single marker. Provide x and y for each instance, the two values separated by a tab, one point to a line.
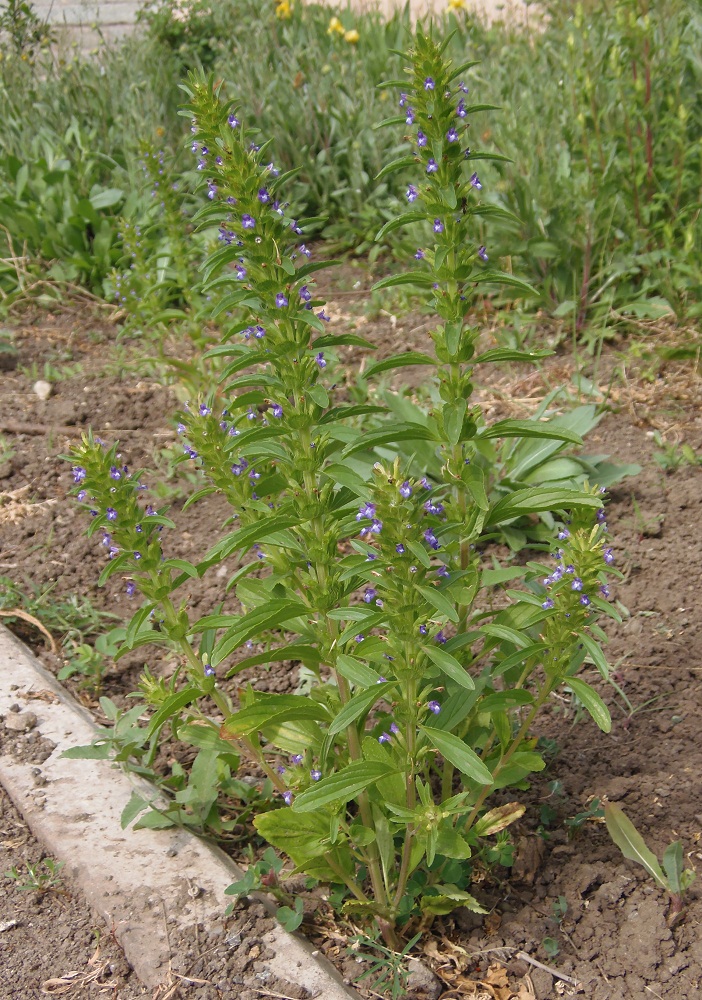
171	707
503	701
437	600
342	786
506	634
450	666
501	278
398	222
539	498
529	429
596	655
358	705
452	845
673	866
394	165
399	361
355	671
319	395
631	843
514	659
296	651
453	415
459	754
301	837
269	710
405	278
399	432
592	702
506	354
132	809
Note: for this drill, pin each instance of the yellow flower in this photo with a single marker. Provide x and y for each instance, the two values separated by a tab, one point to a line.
456	4
284	10
352	36
335	27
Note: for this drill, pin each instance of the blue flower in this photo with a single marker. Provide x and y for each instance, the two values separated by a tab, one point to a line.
461	109
440	638
601	515
434	707
403	100
240	272
305	294
608	556
297	758
400	549
432	166
421	139
81	495
211	190
410	116
452	135
209	670
259	332
130	588
419	254
115	473
359	638
287	798
367	510
577	584
319	358
585	600
281	300
431	539
438	226
605	591
423	630
248	221
434	507
429	83
204	410
233	121
376	527
475	181
412	193
370	595
405	490
482	253
548	604
263	196
563	534
111	514
394	728
277	410
384	738
424	483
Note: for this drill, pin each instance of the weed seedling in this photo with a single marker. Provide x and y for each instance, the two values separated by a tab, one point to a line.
41	877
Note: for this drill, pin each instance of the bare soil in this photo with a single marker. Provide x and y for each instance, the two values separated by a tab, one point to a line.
571	901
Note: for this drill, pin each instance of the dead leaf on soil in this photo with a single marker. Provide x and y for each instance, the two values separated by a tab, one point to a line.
14	508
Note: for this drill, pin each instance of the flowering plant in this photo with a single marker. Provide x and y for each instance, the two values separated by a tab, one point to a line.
421	701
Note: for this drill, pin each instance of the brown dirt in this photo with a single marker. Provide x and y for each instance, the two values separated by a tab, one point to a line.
612	934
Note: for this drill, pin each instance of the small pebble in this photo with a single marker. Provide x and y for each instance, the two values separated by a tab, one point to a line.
43	389
20	722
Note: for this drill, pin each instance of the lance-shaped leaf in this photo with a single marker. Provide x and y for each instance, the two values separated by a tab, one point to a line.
537	499
450	666
358	705
456	752
631	843
342	786
592	702
399	361
498	819
273	710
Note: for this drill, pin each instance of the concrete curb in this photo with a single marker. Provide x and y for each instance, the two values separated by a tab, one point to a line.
131	878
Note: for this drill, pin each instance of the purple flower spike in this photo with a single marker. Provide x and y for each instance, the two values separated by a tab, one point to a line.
434	707
548	604
605	591
367	510
577	584
405	490
438	226
370	595
434	507
431	539
287	798
240	272
319	358
403	100
412	193
384	738
248	221
429	83
482	253
432	166
601	515
377	526
315	775
281	300
421	139
608	556
115	473
475	181
452	135
233	121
